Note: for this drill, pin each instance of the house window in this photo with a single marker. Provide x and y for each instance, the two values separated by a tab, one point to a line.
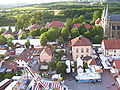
76	50
113	27
118	27
87	50
82	50
81	56
76	56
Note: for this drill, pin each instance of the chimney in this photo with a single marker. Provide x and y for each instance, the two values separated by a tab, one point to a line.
80	36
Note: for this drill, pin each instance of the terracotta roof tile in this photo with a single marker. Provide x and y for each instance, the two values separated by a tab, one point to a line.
117	63
81	41
48	51
55	24
98	21
34	26
25	55
87	26
10	65
112	44
93	62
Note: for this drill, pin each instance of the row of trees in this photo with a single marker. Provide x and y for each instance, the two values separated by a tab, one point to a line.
23	21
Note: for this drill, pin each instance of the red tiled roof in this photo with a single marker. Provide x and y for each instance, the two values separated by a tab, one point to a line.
112	44
98	21
25	55
117	63
87	26
55	24
34	26
10	65
9	32
81	41
48	51
1	59
93	62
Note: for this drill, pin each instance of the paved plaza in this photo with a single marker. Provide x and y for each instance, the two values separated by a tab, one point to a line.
106	79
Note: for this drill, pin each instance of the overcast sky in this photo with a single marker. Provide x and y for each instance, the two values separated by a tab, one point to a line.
28	1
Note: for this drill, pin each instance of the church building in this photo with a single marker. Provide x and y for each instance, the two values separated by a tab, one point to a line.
110	24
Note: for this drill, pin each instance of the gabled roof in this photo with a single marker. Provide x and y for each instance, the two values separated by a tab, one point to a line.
8	32
112	44
117	64
20	32
81	41
93	62
87	26
54	24
98	21
34	26
47	50
25	55
10	65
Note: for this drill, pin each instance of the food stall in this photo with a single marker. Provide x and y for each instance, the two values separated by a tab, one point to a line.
88	77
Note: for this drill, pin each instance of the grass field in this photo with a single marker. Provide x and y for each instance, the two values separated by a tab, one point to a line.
28	8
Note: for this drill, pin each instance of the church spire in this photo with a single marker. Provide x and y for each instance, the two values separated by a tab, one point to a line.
104	11
107	12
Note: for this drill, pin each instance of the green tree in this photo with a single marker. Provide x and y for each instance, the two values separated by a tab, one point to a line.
96	15
60	40
23	36
27	44
42	30
52	34
76	20
65	34
81	18
2	30
82	29
69	24
74	33
3	40
53	64
97	39
10	44
43	39
23	21
61	67
37	32
87	35
33	33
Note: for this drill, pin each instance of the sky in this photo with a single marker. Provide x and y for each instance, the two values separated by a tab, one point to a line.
28	1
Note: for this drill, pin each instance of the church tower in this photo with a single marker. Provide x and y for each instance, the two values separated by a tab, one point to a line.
105	21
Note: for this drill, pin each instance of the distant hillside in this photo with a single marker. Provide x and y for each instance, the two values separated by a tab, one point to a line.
12	5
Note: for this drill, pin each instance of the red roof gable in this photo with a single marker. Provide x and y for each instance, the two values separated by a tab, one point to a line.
87	26
34	26
81	41
10	65
26	55
98	21
48	51
93	62
112	44
117	63
55	24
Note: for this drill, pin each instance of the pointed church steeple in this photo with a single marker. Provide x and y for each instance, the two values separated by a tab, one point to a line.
107	12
